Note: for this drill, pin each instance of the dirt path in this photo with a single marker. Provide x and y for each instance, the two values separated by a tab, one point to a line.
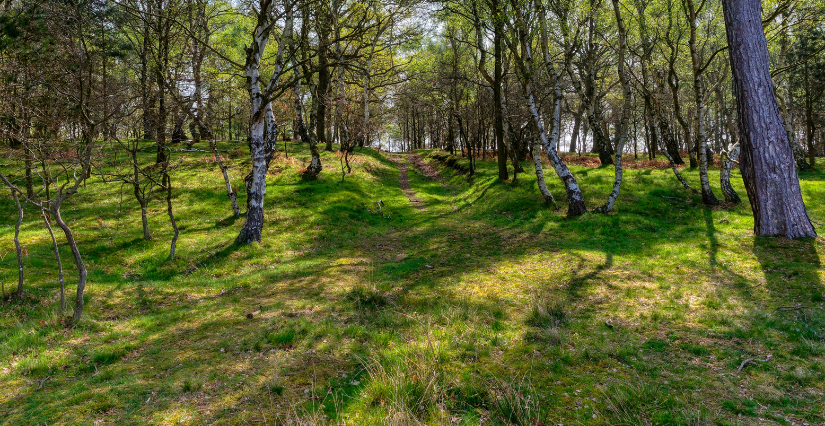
404	181
424	167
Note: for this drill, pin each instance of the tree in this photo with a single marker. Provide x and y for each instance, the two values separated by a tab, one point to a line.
262	129
767	161
523	59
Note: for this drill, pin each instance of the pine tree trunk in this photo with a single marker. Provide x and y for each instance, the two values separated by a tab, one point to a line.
767	162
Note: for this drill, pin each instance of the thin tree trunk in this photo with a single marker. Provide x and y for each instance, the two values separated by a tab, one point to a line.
728	158
699	97
59	262
78	260
17	248
702	145
621	130
28	164
233	197
314	168
577	121
767	163
548	196
139	195
498	78
167	183
676	171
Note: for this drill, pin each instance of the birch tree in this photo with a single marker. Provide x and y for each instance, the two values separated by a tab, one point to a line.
523	59
261	120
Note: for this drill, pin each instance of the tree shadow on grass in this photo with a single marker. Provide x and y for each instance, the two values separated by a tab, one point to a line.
713	250
578	281
791	268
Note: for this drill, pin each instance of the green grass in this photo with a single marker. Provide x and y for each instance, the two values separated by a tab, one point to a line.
485	306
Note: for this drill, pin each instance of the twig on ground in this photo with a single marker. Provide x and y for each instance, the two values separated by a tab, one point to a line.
40	386
749	360
800	309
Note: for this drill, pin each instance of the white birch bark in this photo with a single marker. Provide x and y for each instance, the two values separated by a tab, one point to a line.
621	131
259	146
729	157
676	171
575	199
233	197
691	12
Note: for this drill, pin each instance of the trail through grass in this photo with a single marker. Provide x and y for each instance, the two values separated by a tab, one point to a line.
482	306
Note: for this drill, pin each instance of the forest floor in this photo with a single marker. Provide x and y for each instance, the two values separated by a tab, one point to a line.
484	306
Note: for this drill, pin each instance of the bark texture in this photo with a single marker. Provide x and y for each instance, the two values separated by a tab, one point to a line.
767	162
729	157
260	146
575	199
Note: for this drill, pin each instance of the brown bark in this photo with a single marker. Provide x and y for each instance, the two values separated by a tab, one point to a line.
767	162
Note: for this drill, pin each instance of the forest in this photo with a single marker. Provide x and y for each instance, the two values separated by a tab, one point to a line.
412	212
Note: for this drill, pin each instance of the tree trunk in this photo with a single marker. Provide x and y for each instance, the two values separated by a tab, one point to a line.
321	95
59	261
699	97
701	143
167	183
145	101
767	163
498	78
575	199
548	196
233	197
78	260
17	248
314	167
577	121
256	185
676	170
260	149
140	196
621	130
728	158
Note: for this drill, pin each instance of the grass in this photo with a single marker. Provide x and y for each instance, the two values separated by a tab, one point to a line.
484	306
